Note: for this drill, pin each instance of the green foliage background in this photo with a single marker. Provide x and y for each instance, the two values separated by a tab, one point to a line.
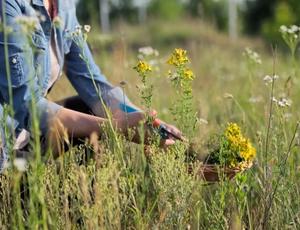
259	17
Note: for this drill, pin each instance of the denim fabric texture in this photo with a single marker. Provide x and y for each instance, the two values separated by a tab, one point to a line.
27	63
32	63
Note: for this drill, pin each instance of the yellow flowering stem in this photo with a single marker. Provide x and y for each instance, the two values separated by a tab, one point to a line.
178	58
143	68
182	79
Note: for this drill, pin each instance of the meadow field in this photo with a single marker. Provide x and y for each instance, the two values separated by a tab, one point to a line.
112	184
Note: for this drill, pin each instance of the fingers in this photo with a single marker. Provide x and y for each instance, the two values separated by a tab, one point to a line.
175	133
169	142
165	143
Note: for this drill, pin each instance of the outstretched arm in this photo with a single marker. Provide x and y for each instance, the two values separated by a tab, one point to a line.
94	89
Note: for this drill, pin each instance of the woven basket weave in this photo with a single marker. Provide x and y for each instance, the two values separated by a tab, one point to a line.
215	173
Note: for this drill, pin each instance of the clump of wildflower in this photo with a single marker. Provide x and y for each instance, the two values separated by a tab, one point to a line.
269	79
183	75
234	150
79	35
252	56
282	102
291	36
143	68
178	57
148	51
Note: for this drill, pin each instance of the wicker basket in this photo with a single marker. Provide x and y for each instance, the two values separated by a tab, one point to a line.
215	173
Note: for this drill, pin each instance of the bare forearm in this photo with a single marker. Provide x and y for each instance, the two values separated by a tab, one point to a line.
79	124
83	125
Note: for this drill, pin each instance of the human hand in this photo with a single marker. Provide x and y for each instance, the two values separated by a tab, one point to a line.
169	133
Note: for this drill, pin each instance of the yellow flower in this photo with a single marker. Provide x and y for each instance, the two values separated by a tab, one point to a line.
178	57
143	67
188	74
232	130
239	146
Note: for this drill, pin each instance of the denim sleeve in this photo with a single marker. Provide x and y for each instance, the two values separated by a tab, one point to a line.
86	77
17	65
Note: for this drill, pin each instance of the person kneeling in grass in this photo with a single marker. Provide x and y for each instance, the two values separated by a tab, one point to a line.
33	53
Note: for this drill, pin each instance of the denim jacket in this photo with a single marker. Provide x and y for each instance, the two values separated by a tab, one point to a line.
27	62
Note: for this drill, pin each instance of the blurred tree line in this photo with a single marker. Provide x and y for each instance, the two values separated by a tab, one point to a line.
133	11
255	16
266	16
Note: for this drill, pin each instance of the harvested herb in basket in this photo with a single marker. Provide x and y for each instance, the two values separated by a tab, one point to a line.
231	149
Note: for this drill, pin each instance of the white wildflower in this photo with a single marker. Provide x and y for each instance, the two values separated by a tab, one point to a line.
252	56
281	103
288	103
294	28
87	28
268	79
284	102
148	51
283	29
20	164
291	36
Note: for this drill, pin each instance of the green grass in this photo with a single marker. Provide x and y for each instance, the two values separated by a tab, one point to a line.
118	187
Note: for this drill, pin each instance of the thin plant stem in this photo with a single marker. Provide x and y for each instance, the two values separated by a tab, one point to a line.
270	117
278	179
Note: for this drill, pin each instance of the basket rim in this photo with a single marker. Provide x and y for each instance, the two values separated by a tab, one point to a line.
217	168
